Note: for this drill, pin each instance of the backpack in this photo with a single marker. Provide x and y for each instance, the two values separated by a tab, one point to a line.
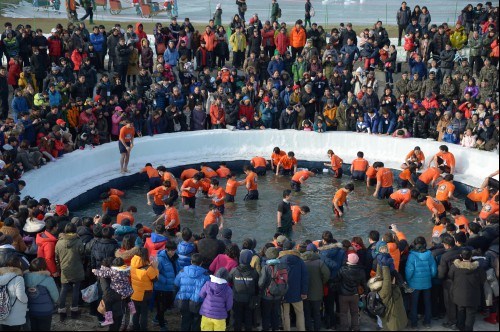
39	300
279	281
374	304
278	14
5	305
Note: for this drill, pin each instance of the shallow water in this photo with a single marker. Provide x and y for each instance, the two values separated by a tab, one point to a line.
257	219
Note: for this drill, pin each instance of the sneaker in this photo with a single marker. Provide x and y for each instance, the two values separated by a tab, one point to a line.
131	307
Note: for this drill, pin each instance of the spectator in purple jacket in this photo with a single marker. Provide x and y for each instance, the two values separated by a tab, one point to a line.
218	300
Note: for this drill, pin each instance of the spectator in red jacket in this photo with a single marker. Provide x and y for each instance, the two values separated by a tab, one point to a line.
46	242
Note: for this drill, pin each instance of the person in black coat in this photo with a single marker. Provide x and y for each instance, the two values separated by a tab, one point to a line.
421	124
122	53
210	246
467	279
452	252
103	247
288	119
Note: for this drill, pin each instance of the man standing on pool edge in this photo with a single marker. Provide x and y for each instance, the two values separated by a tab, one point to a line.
125	144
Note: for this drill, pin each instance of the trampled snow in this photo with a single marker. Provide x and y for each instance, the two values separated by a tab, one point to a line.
83	170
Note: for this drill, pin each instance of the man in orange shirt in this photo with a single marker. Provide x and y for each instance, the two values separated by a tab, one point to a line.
436	207
232	186
276	157
159	195
385	179
112	205
340	199
406	176
428	177
444	158
251	183
153	176
402	197
170	217
188	191
477	195
287	165
461	221
223	172
213	217
359	166
299	178
490	208
415	156
259	164
445	190
335	163
217	194
371	177
298	212
129	214
188	173
208	171
125	144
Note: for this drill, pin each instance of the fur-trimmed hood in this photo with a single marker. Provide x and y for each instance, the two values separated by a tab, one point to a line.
330	246
466	264
289	252
7	273
127	254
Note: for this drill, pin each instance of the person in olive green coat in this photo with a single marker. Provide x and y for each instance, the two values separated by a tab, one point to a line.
394	318
69	260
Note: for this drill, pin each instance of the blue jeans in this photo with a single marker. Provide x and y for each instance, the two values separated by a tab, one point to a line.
427	306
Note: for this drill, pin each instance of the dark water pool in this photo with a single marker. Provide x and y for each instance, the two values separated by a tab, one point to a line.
257	219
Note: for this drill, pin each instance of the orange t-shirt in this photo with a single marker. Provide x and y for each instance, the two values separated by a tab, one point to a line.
461	220
219	193
385	177
116	192
296	215
167	176
127	134
251	180
401	196
194	188
340	197
405	174
433	203
205	185
300	174
277	157
171	213
223	172
444	188
288	163
188	173
448	157
411	156
113	204
371	173
429	175
258	162
211	218
437	230
151	171
360	164
336	162
479	195
489	208
209	172
125	215
232	186
159	193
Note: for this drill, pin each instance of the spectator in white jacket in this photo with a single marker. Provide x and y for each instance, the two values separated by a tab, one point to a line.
12	276
469	140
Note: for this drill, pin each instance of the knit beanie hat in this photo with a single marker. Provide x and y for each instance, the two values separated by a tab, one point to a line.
246	257
271	253
352	259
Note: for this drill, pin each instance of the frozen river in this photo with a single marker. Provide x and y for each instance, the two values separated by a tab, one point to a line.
332	12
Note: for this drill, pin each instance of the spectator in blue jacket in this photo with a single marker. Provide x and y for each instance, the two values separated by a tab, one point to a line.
29	133
186	248
55	98
99	41
276	64
332	254
19	104
372	120
387	123
188	284
171	55
418	66
177	99
298	285
168	266
420	268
